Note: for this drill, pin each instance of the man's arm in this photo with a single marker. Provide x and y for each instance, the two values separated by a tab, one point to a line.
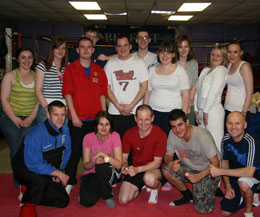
103	102
113	99
194	178
64	178
155	164
143	89
75	119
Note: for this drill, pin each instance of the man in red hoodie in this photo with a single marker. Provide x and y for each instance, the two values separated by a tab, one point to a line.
85	91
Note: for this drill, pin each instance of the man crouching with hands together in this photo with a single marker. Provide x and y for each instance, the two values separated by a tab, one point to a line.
196	150
147	143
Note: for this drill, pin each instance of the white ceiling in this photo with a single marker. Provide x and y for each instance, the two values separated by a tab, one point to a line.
139	12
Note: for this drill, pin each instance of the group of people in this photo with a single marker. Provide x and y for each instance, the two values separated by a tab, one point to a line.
146	134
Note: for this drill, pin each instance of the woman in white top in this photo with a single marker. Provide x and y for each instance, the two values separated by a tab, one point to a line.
207	103
184	55
49	75
168	86
240	84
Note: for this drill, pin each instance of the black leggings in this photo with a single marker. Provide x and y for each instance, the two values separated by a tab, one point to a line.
98	185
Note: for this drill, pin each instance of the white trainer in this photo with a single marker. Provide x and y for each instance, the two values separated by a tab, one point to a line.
256	200
68	189
153	199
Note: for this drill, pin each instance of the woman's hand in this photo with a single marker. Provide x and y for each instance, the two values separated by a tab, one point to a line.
27	122
18	122
197	118
205	118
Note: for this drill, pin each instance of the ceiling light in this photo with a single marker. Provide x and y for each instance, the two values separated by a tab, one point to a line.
162	12
95	16
193	7
180	17
116	14
85	5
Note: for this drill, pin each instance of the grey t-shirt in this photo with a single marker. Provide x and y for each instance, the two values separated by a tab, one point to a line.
195	153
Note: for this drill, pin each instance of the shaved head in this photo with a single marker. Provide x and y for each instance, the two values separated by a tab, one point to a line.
238	115
236	125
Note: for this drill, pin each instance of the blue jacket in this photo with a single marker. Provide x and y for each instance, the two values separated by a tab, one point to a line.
41	140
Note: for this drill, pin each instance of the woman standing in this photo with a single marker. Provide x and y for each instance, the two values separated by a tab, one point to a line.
18	101
208	108
184	55
102	160
49	75
168	86
240	84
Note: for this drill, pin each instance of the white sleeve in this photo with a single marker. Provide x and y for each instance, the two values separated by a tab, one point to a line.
216	86
143	71
150	75
184	80
107	69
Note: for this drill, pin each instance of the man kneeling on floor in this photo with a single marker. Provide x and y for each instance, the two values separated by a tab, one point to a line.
240	166
39	162
196	150
147	142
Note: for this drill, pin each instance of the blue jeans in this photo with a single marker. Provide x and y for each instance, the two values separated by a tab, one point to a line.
13	135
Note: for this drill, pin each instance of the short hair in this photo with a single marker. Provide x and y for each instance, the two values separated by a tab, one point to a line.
175	114
165	46
55	103
85	39
20	50
177	43
143	30
103	114
144	107
121	36
90	28
223	50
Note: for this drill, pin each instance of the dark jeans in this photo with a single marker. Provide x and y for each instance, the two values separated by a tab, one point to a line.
77	134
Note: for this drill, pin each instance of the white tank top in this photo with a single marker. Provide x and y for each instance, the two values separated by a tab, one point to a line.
236	91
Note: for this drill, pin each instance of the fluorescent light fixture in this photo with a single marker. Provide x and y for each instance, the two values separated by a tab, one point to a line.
95	16
116	14
180	17
187	7
162	12
85	5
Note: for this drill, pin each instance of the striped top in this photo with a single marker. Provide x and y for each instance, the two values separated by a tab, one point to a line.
52	84
22	97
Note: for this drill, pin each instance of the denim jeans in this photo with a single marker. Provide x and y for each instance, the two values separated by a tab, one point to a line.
13	135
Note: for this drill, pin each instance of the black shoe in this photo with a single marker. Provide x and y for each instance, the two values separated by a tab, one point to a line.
219	193
181	201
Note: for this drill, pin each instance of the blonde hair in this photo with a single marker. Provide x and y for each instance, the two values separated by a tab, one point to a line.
223	50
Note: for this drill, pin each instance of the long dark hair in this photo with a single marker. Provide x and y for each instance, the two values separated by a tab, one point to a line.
56	42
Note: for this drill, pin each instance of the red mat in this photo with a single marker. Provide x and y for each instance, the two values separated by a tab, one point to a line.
9	205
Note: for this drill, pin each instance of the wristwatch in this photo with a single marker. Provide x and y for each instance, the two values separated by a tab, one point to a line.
107	159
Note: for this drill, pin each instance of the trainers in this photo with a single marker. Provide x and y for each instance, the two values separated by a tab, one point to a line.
68	189
181	201
28	211
153	199
167	187
110	203
256	200
246	214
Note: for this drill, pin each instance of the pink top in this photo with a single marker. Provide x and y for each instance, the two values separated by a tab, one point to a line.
91	142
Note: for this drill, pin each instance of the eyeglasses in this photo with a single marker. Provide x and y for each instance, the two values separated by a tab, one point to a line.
142	37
